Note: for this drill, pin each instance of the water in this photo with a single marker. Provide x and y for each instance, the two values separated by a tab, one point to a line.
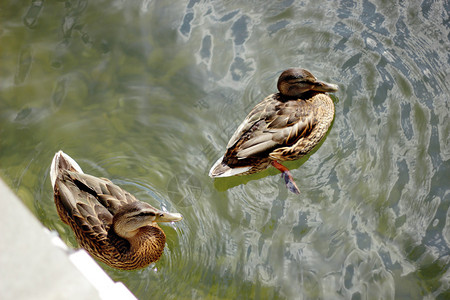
148	93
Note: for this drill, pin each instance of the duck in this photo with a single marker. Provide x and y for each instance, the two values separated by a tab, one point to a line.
285	126
108	222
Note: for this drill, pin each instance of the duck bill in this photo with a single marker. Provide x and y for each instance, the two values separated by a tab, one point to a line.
321	86
164	216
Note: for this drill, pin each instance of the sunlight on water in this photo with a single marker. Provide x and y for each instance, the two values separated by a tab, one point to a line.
148	94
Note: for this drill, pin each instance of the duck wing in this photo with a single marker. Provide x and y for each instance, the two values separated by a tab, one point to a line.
89	203
271	125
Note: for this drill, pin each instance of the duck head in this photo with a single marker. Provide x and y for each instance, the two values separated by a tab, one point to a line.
135	215
297	83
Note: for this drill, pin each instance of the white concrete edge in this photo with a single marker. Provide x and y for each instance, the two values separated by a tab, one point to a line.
26	232
107	288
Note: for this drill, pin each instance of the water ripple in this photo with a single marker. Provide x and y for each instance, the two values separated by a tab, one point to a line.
149	94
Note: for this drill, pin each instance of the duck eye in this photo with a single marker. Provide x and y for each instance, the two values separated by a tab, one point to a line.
290	78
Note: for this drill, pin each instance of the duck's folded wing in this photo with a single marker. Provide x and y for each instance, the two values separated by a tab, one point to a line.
269	129
81	208
251	123
103	190
89	220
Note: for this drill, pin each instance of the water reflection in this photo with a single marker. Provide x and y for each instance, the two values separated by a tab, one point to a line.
149	93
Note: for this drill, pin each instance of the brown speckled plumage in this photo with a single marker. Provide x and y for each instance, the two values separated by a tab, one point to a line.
284	126
96	210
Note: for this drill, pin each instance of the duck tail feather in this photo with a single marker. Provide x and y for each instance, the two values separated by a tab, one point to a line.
62	161
220	169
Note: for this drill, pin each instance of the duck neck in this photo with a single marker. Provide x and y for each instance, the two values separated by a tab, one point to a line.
148	241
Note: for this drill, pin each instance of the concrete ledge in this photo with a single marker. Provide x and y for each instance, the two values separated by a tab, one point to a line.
34	264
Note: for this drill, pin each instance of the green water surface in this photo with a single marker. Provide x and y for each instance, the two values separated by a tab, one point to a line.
147	93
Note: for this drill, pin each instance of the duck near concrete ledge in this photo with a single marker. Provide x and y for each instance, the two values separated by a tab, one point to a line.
284	126
110	223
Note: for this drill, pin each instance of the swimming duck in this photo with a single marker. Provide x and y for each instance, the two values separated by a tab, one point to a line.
284	126
110	223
